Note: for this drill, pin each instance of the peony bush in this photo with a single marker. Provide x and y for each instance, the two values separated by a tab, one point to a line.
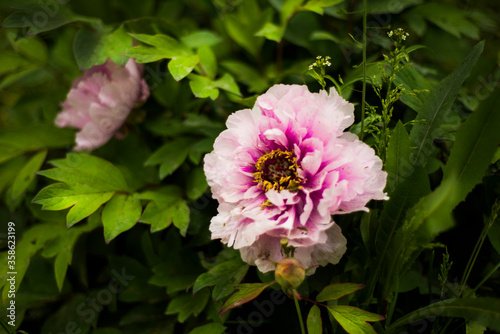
225	166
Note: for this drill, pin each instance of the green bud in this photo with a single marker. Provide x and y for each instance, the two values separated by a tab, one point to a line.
289	273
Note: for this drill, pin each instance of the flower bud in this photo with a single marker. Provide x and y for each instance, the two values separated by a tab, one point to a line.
289	273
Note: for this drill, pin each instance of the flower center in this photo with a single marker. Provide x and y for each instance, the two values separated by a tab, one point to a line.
277	170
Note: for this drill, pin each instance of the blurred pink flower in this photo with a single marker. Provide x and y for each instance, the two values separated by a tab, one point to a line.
282	169
99	102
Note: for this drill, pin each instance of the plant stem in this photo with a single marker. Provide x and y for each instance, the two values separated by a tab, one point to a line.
492	271
472	260
363	97
297	306
392	307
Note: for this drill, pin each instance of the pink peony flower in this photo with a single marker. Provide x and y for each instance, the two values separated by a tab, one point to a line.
282	169
99	102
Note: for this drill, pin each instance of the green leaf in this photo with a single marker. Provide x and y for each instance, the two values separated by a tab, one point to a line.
87	171
353	319
36	20
406	195
338	290
213	328
475	144
203	87
180	67
180	266
187	304
62	248
411	79
120	214
83	200
224	276
227	83
398	166
318	5
16	141
247	75
163	46
271	31
449	18
437	106
484	310
9	171
166	206
208	61
27	175
242	26
94	47
69	313
246	292
201	38
136	274
314	323
428	218
196	183
171	155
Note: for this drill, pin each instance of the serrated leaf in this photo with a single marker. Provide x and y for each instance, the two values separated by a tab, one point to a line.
186	304
167	206
437	105
87	171
246	292
428	218
476	142
27	175
83	200
337	290
484	310
180	67
397	165
353	319
171	155
314	323
62	248
406	195
120	214
95	47
213	328
224	276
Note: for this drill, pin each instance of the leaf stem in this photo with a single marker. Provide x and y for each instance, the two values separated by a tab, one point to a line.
297	307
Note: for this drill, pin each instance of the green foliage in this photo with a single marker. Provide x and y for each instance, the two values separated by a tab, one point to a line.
118	240
336	291
246	293
483	310
314	322
437	105
354	320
